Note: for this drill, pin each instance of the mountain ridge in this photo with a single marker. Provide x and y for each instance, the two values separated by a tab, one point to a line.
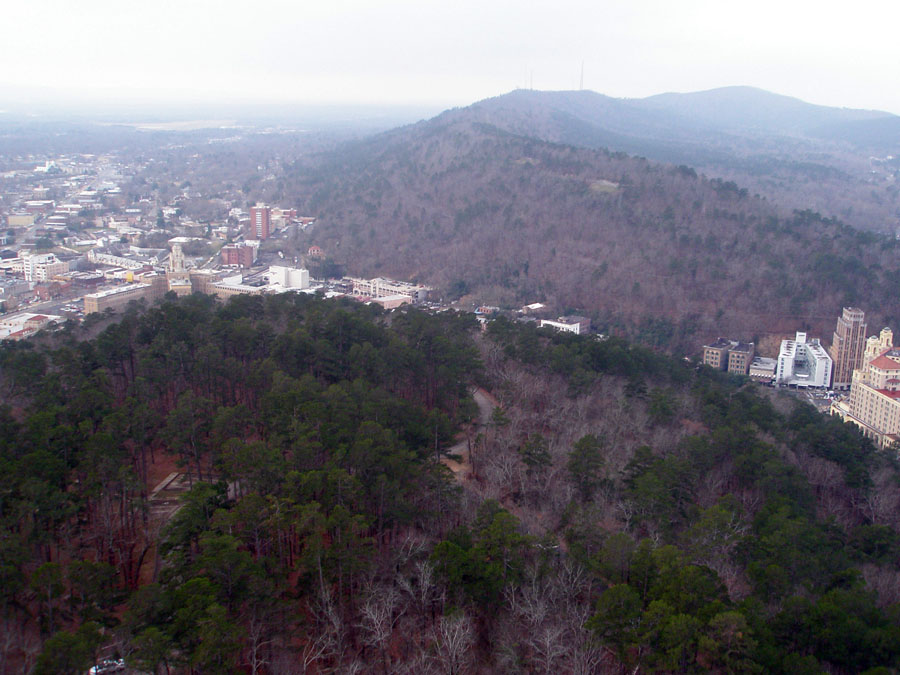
799	154
501	218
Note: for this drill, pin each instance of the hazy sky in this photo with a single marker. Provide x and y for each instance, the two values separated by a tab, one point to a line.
450	52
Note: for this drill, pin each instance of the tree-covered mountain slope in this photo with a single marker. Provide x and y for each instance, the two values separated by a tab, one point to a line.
507	219
837	161
621	510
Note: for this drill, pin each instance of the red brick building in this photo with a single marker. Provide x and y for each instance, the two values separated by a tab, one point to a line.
237	255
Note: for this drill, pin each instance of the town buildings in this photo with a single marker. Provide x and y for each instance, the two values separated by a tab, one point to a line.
803	363
874	403
730	355
571	324
848	346
24	324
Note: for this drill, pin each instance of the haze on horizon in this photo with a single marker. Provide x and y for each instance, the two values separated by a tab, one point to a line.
442	54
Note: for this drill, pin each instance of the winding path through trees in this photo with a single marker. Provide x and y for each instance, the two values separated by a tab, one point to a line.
461	469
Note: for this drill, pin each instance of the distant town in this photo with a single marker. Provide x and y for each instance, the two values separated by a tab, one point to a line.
858	377
74	244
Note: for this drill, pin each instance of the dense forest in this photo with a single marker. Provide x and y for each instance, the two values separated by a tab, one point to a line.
616	510
648	251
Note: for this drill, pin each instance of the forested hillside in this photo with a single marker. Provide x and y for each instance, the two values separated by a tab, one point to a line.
656	250
621	510
803	156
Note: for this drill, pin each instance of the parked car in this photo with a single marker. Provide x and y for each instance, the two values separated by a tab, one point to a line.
107	666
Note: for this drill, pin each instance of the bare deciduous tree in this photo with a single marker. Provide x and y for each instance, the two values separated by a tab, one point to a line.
379	615
454	638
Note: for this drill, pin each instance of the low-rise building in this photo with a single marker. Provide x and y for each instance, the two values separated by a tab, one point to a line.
763	369
115	298
380	287
571	324
731	355
392	301
228	287
202	280
24	324
99	258
20	219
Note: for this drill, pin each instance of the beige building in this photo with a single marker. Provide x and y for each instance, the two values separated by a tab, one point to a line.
730	355
115	298
225	288
716	354
740	356
874	404
848	346
202	280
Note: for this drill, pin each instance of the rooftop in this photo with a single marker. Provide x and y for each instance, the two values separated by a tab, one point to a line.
117	289
885	363
720	343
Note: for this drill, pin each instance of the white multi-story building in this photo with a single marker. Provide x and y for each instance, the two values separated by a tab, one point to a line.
803	363
289	277
42	267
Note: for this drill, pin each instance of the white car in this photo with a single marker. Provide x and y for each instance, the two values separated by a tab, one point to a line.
107	666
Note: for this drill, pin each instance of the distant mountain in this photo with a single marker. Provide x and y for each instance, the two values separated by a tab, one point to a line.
748	109
800	154
500	217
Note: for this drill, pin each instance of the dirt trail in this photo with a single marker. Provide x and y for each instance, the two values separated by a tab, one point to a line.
461	469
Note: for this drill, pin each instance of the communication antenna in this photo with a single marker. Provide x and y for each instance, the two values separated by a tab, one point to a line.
531	84
581	82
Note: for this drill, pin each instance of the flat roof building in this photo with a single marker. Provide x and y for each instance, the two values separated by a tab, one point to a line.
380	287
763	369
115	298
803	363
571	324
730	355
